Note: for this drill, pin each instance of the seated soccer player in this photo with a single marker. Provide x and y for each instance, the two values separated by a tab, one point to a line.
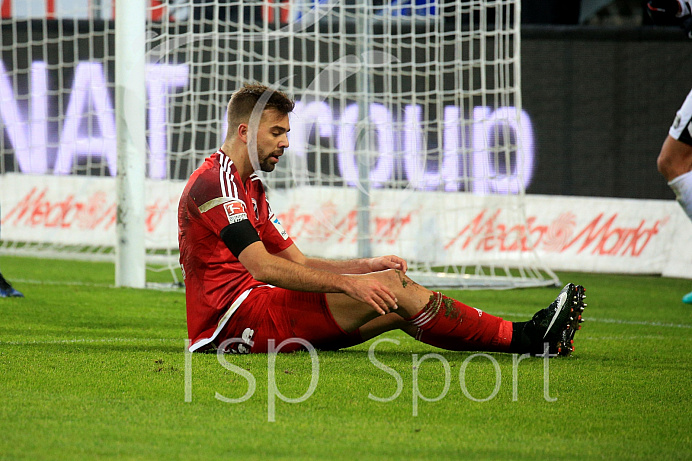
246	280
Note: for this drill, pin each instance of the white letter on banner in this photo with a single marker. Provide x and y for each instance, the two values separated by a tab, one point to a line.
480	151
486	178
304	117
29	144
161	78
381	117
89	99
415	161
38	157
346	143
452	148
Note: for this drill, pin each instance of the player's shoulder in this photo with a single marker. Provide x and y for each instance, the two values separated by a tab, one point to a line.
214	178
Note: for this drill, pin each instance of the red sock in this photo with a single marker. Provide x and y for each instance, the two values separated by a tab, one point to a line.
447	323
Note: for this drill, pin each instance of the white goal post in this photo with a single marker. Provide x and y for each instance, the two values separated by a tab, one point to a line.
408	135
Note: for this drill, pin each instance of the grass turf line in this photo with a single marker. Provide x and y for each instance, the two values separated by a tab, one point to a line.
93	371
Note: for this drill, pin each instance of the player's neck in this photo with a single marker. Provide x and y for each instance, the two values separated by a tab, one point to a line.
240	158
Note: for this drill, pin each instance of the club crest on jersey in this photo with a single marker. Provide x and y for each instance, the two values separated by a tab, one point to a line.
235	211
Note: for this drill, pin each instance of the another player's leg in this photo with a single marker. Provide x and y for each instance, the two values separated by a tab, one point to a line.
675	164
447	323
7	290
675	161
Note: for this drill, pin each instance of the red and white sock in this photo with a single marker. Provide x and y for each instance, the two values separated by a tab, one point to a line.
447	323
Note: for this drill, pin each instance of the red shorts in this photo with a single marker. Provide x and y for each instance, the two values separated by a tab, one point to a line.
279	314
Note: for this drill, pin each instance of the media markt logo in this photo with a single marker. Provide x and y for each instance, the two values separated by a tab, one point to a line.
603	234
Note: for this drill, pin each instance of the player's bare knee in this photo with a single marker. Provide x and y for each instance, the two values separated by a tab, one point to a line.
393	278
389	277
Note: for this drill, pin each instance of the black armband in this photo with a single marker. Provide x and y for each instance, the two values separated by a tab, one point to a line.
238	236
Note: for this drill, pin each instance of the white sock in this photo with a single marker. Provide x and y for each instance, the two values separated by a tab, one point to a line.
682	186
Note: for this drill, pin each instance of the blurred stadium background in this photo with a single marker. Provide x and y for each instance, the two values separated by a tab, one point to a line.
598	89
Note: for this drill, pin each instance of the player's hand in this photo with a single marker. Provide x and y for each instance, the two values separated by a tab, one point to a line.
387	262
372	292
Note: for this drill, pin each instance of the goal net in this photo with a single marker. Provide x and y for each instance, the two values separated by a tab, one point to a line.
408	135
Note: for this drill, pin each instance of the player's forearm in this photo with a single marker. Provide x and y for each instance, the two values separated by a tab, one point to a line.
291	272
287	274
349	266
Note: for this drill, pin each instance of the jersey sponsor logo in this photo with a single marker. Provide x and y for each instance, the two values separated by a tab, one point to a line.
235	211
276	222
279	227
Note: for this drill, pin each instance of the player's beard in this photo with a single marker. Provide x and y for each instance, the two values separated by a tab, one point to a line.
265	162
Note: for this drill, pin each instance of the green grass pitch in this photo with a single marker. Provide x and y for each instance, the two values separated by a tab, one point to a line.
90	371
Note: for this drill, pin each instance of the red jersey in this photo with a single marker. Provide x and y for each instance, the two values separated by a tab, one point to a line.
216	283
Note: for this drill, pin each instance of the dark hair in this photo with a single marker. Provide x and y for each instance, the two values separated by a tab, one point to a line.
244	100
